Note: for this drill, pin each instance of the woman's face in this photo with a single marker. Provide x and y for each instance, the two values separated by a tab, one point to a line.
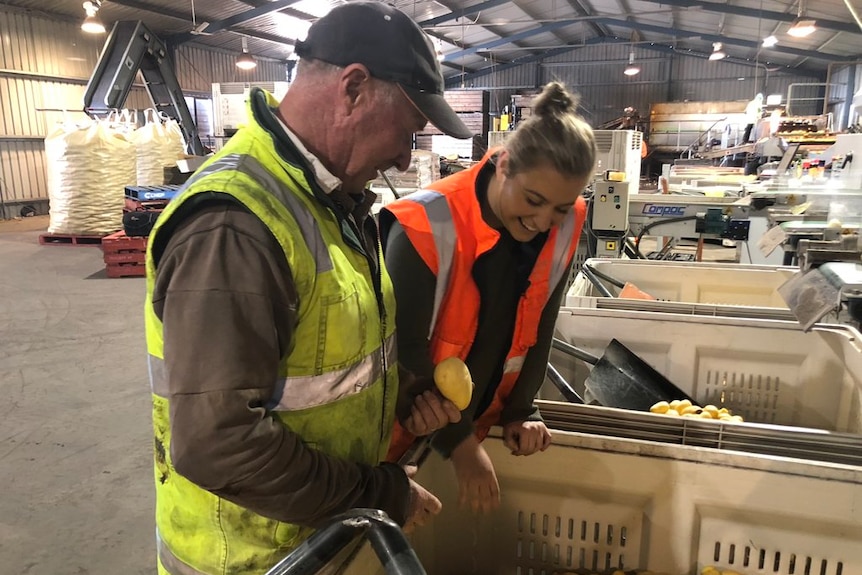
534	200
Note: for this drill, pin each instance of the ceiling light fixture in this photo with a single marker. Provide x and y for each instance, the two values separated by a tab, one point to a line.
802	27
631	69
92	24
717	52
245	61
770	41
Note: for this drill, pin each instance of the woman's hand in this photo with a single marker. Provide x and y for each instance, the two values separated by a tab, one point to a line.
526	437
477	481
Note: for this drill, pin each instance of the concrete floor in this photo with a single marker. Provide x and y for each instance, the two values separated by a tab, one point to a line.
75	431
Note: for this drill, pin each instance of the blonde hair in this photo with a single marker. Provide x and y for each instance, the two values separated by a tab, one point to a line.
554	135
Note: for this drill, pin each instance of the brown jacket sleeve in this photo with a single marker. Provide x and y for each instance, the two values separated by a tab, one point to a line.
228	304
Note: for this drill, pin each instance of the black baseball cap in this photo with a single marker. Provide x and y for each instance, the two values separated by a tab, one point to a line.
393	48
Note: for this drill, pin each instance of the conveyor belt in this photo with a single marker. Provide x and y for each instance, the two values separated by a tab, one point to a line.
774	440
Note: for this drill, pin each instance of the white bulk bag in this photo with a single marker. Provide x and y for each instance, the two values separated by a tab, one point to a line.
151	144
175	149
89	166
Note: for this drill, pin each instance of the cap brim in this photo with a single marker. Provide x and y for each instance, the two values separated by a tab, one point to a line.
437	111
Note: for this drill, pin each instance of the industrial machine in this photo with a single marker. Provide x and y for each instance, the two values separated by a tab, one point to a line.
609	217
619	151
133	47
229	105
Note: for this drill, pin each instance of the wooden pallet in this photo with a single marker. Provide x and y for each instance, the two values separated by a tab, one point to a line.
126	270
124	256
69	240
120	242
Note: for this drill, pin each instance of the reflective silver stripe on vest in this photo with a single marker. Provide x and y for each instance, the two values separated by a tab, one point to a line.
514	364
171	562
443	229
252	168
561	250
158	375
302	392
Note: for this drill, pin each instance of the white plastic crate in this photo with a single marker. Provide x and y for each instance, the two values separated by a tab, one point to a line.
596	504
765	370
664	508
693	282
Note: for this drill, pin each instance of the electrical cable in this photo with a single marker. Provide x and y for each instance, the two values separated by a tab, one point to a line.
648	227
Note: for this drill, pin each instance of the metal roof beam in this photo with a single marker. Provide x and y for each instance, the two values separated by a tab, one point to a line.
510	39
823	23
677	33
455	14
136	4
455	81
231	21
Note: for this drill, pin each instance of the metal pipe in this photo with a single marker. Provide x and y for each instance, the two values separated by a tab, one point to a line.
574	351
563	386
588	273
386	537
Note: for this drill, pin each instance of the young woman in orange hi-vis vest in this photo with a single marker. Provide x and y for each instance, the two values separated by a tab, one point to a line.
479	261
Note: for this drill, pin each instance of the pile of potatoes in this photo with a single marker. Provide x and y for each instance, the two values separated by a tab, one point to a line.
684	408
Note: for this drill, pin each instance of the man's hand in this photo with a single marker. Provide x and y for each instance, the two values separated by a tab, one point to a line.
526	437
429	413
477	481
423	503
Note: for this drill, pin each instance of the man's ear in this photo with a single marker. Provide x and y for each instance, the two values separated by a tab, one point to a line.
353	85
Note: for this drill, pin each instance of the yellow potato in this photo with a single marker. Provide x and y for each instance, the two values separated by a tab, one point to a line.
674	404
683	404
454	381
690	409
660	407
672	413
712	410
710	570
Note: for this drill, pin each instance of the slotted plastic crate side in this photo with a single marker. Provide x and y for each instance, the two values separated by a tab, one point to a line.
692	282
682	507
815	548
767	371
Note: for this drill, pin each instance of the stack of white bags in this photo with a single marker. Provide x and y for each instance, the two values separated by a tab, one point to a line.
90	164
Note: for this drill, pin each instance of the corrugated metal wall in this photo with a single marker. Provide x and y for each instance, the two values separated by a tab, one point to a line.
596	72
845	80
45	65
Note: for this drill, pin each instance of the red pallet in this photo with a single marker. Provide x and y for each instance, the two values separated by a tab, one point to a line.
70	240
135	257
130	270
120	242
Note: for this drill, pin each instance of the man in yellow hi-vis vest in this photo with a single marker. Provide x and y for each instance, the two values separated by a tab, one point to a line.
270	318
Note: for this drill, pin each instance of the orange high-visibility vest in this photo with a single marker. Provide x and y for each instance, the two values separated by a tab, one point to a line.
444	224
